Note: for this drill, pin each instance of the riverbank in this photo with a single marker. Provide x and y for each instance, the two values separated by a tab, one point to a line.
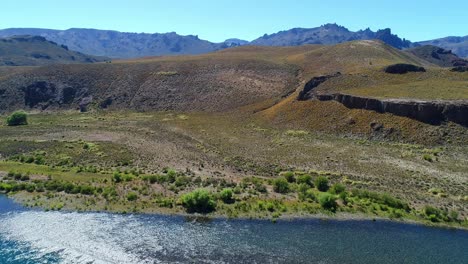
25	200
66	237
221	165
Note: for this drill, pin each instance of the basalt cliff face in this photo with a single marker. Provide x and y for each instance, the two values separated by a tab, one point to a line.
431	112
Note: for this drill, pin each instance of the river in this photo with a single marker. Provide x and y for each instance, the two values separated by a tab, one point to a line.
34	236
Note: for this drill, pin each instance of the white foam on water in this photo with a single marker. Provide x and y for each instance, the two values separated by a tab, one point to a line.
112	238
76	238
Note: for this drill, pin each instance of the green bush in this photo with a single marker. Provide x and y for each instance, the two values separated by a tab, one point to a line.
305	193
87	190
226	195
280	185
321	183
337	188
289	176
327	201
117	177
306	179
427	157
198	201
384	198
17	118
132	196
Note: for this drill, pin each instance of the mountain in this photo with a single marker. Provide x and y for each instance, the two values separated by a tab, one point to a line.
34	51
328	34
234	42
438	56
116	44
458	45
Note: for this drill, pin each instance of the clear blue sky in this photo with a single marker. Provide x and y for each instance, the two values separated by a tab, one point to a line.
217	20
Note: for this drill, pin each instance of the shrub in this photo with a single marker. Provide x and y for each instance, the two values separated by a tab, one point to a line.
199	201
86	190
289	176
305	193
132	196
226	195
427	157
321	183
182	181
306	179
402	68
17	118
385	199
280	185
117	177
337	188
327	201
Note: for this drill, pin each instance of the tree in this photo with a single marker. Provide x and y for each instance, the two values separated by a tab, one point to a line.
280	185
321	183
198	201
17	118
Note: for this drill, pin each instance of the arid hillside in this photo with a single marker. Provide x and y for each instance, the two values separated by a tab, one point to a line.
262	80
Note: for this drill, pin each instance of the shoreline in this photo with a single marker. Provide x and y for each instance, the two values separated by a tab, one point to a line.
339	216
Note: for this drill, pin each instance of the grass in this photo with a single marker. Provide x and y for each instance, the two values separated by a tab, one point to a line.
219	151
435	84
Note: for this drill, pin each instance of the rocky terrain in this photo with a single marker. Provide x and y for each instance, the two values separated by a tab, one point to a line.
458	45
438	56
328	34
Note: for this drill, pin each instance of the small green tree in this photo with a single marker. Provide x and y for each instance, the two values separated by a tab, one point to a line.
327	201
280	185
321	183
17	118
198	201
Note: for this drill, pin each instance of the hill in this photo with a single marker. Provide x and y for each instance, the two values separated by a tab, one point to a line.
213	82
35	51
438	56
328	34
116	44
243	78
153	129
458	45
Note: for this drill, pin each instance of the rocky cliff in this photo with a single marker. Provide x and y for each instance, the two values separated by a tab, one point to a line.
431	112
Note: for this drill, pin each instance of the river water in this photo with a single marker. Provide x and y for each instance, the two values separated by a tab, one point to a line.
33	236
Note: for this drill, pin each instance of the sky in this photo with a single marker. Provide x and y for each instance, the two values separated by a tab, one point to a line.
217	20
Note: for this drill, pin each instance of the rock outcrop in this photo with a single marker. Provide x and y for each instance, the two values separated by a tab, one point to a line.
306	93
431	112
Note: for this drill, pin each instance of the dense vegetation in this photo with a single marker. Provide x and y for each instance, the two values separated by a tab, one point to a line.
17	118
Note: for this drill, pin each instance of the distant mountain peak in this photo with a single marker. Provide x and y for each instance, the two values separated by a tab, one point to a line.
328	34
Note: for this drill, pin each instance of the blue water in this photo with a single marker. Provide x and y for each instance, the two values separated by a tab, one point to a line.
31	236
